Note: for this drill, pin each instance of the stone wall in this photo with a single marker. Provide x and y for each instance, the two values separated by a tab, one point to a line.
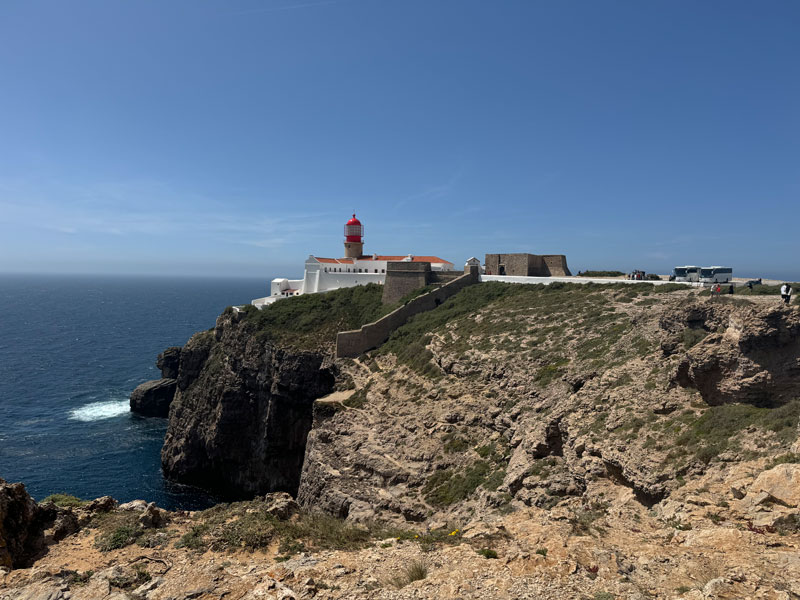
403	278
445	276
556	265
350	344
527	265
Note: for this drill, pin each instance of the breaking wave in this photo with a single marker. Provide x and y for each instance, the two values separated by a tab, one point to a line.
97	411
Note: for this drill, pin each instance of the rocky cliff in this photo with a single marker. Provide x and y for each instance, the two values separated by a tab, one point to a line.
515	442
242	411
509	397
153	398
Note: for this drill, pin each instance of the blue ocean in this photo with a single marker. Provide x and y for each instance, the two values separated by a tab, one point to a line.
72	348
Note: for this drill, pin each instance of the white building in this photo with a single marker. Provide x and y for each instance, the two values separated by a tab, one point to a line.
325	274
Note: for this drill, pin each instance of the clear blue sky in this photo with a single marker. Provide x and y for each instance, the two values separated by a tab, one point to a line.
234	138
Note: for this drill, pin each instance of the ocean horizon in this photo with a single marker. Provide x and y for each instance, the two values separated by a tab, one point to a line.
72	349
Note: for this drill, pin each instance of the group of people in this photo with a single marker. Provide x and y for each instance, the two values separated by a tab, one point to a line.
716	290
786	291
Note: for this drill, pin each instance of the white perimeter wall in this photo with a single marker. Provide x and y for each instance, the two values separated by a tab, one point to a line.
549	280
333	281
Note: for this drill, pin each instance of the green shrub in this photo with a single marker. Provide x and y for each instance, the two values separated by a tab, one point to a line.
415	571
444	488
693	336
541	551
600	274
65	501
119	537
193	539
487	553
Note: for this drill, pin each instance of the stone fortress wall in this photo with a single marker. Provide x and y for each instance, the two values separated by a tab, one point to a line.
402	278
350	344
527	265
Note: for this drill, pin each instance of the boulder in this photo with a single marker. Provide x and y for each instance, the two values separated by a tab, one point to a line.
134	505
782	483
103	504
153	398
152	517
169	361
281	505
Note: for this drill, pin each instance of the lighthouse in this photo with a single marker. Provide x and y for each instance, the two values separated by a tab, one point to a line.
353	238
325	274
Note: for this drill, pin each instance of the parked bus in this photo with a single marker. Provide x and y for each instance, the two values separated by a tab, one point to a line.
688	273
716	274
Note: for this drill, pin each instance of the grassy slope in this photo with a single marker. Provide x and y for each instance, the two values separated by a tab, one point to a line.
552	331
312	320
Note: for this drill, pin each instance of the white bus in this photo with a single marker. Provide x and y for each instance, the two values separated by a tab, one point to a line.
716	274
688	273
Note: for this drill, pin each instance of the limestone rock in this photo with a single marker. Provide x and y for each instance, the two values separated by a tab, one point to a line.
102	504
153	398
782	483
134	505
281	505
753	361
152	517
169	361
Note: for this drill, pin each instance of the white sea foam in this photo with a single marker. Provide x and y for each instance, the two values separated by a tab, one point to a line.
100	410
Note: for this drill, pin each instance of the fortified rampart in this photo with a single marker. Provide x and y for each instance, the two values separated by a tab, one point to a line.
527	265
350	344
402	278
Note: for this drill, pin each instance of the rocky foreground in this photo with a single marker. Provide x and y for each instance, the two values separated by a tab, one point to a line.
516	442
703	543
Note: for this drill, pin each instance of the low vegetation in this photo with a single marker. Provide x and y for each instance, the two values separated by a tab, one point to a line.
310	321
65	501
600	273
705	436
414	571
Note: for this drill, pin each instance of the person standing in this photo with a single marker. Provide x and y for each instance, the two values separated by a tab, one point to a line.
786	293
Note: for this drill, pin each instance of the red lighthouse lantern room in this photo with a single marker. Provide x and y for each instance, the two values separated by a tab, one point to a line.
353	238
354	230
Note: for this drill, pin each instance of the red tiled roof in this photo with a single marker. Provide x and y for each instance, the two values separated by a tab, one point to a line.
336	261
349	261
430	259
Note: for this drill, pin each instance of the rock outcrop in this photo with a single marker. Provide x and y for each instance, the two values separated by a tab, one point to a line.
153	398
27	528
749	355
168	362
21	526
242	411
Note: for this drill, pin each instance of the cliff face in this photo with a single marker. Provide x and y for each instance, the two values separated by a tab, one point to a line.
242	411
531	397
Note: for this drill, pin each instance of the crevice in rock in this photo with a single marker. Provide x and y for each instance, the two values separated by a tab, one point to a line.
645	497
